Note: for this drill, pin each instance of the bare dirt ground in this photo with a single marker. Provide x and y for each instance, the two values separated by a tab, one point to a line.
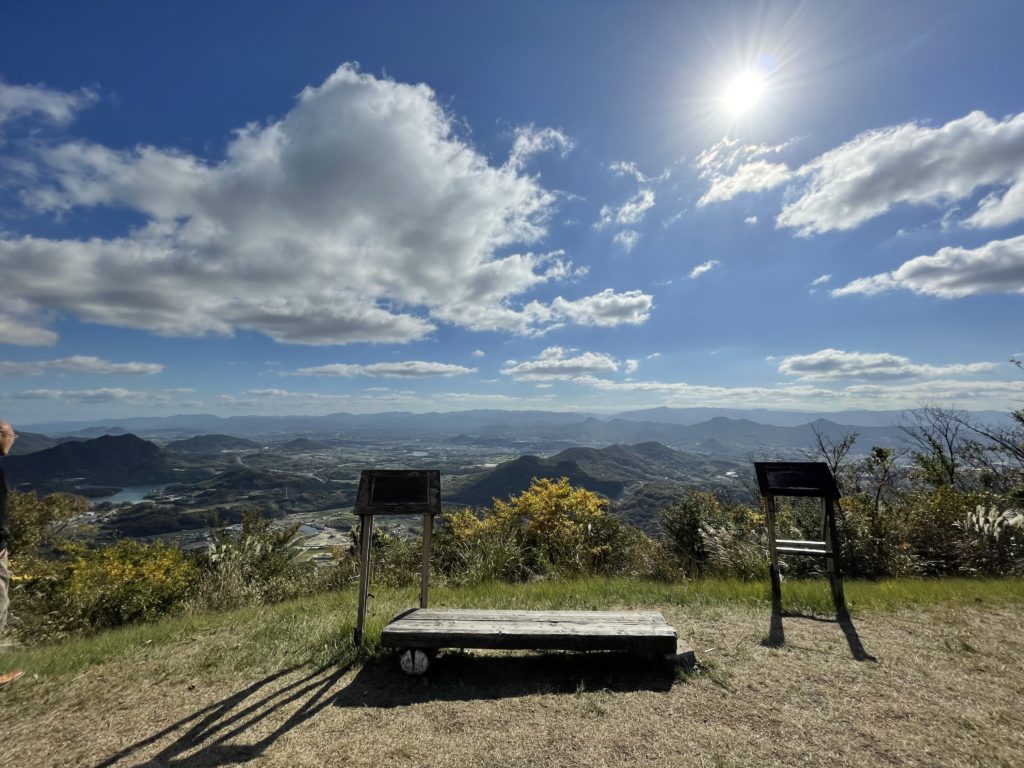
936	687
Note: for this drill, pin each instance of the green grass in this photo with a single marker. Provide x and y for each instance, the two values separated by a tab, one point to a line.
318	630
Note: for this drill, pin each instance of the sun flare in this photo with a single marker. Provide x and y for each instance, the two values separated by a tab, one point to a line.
743	92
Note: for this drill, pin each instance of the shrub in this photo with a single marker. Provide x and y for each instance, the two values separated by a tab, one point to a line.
550	528
90	589
254	565
33	521
710	537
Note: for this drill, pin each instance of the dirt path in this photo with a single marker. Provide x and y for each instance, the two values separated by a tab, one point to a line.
940	687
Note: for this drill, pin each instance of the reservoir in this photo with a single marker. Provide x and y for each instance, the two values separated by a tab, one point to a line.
131	493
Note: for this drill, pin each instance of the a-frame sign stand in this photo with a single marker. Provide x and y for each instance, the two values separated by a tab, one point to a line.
802	478
394	492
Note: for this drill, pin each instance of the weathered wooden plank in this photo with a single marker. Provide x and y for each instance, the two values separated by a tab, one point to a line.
473	614
645	631
525	627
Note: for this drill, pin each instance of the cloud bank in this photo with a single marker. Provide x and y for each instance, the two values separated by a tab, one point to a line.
359	216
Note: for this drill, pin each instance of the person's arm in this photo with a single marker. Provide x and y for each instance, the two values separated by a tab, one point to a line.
3	511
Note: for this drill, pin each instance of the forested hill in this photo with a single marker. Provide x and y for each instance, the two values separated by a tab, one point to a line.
110	460
609	471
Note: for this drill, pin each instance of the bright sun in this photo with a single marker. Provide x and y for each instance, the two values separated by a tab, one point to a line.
743	92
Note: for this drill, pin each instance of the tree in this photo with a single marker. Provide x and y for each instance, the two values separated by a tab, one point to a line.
832	452
941	445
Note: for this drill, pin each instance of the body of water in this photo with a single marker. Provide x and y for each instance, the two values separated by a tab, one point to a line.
132	493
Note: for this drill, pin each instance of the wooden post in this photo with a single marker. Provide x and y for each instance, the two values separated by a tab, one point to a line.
835	572
428	526
774	567
365	548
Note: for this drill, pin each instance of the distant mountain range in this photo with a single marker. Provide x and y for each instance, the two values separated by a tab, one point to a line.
663	424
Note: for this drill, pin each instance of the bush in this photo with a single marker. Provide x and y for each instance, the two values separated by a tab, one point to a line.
709	537
33	521
551	528
91	589
253	565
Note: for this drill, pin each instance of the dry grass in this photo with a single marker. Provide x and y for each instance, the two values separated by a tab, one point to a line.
938	686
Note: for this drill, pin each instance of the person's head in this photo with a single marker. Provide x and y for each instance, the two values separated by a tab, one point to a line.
7	436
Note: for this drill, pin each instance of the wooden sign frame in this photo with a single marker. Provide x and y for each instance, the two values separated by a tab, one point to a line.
394	492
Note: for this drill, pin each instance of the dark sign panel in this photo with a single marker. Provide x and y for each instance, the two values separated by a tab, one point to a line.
399	492
795	478
399	489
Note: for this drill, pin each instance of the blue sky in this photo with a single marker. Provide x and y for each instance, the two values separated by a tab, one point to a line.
308	208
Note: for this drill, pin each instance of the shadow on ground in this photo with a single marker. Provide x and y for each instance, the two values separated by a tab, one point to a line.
455	676
207	737
242	726
777	637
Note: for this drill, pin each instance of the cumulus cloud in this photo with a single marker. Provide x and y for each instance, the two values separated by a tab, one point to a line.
996	267
631	366
630	212
909	164
78	364
914	164
606	308
56	106
561	363
409	369
704	268
750	220
756	176
733	168
820	280
627	238
530	141
832	364
361	215
479	353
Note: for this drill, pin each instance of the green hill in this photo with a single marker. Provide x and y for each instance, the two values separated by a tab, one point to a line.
610	471
110	460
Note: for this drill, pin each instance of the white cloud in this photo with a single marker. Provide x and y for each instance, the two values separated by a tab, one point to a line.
820	280
630	212
409	369
56	106
530	140
973	394
479	353
704	268
916	165
152	397
631	169
627	238
556	363
631	366
654	355
750	220
833	364
361	215
733	168
606	308
996	267
78	364
756	176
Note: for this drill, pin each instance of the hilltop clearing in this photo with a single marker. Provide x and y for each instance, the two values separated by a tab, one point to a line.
933	678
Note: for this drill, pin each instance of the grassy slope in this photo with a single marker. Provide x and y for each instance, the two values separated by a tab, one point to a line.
283	684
